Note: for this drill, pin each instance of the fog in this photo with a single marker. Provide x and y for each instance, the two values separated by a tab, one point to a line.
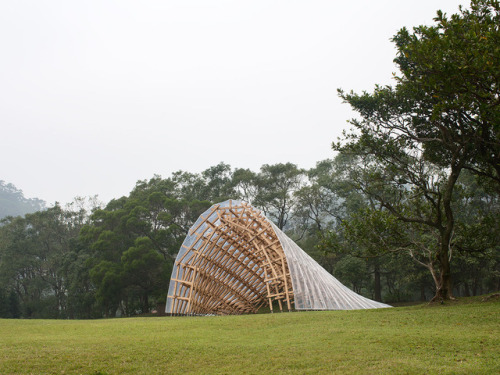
95	95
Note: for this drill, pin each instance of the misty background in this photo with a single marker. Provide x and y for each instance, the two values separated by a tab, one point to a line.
96	95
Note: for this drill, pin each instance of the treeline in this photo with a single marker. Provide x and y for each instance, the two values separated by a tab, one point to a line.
408	209
79	262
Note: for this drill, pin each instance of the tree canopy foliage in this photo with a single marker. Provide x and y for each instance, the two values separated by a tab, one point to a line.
116	259
416	139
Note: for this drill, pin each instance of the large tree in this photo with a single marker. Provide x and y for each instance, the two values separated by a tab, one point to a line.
440	118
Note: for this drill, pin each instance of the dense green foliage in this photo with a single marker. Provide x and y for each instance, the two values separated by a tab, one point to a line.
441	339
415	140
407	210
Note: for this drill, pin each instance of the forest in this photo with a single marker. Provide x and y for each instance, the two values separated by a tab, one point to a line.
406	209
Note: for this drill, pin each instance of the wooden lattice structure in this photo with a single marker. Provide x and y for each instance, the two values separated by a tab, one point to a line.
234	261
231	262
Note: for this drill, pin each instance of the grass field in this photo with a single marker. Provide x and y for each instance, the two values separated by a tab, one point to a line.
455	338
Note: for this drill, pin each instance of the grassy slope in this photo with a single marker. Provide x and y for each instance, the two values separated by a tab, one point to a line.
455	338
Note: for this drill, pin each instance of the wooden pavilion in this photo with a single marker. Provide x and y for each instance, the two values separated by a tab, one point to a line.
234	261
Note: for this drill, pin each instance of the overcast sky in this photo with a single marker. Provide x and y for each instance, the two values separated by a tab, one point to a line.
95	95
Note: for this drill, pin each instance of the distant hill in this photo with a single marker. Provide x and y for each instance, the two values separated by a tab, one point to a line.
13	202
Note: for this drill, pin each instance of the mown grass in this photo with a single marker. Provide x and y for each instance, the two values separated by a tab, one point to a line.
454	338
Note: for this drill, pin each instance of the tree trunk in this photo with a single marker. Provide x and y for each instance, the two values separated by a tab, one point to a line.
474	287
466	289
377	286
422	293
444	287
145	306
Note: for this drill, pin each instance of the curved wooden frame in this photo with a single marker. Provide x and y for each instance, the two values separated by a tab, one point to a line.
232	262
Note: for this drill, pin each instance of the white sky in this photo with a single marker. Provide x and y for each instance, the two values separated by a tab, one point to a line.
95	95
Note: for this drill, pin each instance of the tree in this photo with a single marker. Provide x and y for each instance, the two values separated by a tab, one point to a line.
106	275
276	187
218	184
245	184
477	239
450	79
33	250
441	118
13	202
145	270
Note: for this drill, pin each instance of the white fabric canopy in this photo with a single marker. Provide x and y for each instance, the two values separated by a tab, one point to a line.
314	288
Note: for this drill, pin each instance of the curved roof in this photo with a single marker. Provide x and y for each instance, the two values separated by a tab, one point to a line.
234	260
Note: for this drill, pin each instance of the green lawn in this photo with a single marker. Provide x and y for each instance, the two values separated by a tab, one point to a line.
455	338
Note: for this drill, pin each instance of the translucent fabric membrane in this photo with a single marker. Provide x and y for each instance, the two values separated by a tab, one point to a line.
313	287
234	260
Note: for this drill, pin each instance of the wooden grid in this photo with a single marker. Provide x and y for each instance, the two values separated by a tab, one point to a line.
234	265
